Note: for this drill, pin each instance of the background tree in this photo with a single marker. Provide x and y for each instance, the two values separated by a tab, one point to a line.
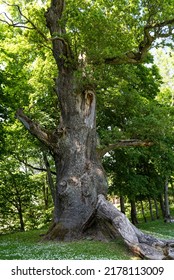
18	152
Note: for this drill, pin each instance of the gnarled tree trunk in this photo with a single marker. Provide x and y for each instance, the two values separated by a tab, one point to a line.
80	176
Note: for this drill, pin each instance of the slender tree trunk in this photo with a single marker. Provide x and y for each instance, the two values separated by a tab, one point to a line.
133	212
156	208
161	201
172	185
45	196
142	211
166	201
20	214
18	205
122	206
151	209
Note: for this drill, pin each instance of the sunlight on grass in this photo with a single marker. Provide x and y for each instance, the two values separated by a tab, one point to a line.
28	246
159	229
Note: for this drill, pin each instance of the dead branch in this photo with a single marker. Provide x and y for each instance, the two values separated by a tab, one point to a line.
122	144
44	136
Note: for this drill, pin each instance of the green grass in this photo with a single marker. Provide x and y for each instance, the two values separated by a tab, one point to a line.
28	245
158	228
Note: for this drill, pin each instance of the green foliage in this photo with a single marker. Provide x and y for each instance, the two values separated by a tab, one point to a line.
123	107
3	111
132	109
26	82
21	197
90	23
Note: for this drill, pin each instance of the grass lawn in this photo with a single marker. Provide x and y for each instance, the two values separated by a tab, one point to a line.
28	245
158	228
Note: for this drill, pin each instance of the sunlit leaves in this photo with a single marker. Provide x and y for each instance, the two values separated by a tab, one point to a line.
92	23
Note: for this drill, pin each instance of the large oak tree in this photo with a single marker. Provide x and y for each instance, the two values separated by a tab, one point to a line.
87	37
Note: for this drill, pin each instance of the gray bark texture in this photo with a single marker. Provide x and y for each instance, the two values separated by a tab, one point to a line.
144	245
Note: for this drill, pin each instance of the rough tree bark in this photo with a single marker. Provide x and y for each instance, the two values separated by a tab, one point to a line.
81	187
145	246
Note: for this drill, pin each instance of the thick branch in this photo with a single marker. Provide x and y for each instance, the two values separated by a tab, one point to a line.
61	48
53	17
160	24
44	136
152	32
123	143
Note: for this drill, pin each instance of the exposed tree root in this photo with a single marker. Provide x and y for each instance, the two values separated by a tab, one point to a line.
108	223
145	246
